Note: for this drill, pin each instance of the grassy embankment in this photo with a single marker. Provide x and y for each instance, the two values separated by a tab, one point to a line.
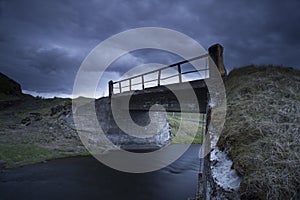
32	131
261	132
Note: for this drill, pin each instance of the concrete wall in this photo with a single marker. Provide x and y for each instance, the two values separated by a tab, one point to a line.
141	135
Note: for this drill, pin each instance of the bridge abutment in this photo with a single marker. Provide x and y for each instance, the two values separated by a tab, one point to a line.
150	131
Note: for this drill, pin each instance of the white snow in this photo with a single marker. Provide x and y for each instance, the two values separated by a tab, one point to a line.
222	173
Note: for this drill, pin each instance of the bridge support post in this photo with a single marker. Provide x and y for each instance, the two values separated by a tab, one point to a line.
206	159
216	53
204	175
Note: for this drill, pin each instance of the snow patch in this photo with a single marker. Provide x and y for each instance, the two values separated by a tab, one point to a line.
222	173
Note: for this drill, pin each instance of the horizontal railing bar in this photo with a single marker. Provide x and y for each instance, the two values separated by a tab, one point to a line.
151	81
136	84
165	78
169	66
137	76
189	72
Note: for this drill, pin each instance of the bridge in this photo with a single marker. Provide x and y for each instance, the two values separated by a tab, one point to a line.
141	92
133	115
144	97
136	96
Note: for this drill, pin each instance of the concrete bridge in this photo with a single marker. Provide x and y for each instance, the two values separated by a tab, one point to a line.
134	90
133	116
132	102
173	92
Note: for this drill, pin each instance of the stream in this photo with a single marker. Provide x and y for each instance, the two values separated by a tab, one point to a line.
87	178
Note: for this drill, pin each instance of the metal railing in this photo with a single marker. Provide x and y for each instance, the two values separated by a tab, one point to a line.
178	67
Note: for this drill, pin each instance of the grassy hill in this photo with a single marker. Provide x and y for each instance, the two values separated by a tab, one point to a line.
261	132
34	129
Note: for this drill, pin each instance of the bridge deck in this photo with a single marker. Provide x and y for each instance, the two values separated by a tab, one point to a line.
143	100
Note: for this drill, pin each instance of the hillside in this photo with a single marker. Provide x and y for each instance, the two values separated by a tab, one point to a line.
34	129
261	133
9	87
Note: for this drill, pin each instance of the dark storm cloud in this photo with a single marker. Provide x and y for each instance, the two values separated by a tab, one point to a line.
43	43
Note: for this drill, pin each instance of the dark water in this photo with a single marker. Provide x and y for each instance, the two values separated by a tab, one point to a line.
86	178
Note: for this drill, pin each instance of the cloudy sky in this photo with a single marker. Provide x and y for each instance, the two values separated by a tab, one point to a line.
43	43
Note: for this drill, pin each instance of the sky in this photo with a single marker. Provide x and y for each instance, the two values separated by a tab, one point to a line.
43	43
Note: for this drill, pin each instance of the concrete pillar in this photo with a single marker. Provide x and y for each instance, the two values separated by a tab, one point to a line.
216	53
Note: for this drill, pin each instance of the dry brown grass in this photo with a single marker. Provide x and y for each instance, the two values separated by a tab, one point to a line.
261	132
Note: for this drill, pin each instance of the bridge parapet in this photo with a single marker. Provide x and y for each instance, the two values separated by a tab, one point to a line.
144	97
127	85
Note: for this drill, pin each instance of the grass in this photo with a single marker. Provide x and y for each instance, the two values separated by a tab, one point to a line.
34	147
21	145
190	130
31	148
23	154
261	132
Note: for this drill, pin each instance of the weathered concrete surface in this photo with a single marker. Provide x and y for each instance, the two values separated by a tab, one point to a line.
107	130
144	136
180	97
216	53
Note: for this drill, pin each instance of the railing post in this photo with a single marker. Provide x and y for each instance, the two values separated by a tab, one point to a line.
120	87
110	88
179	73
158	78
129	84
143	82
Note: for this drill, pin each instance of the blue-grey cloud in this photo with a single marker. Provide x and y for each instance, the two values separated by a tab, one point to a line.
43	43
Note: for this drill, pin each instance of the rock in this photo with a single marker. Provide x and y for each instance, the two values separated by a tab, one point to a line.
62	109
36	116
33	117
56	109
26	121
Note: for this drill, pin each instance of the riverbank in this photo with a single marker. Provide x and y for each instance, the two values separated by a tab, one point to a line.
261	132
35	130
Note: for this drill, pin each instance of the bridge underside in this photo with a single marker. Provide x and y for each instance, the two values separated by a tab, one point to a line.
189	97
